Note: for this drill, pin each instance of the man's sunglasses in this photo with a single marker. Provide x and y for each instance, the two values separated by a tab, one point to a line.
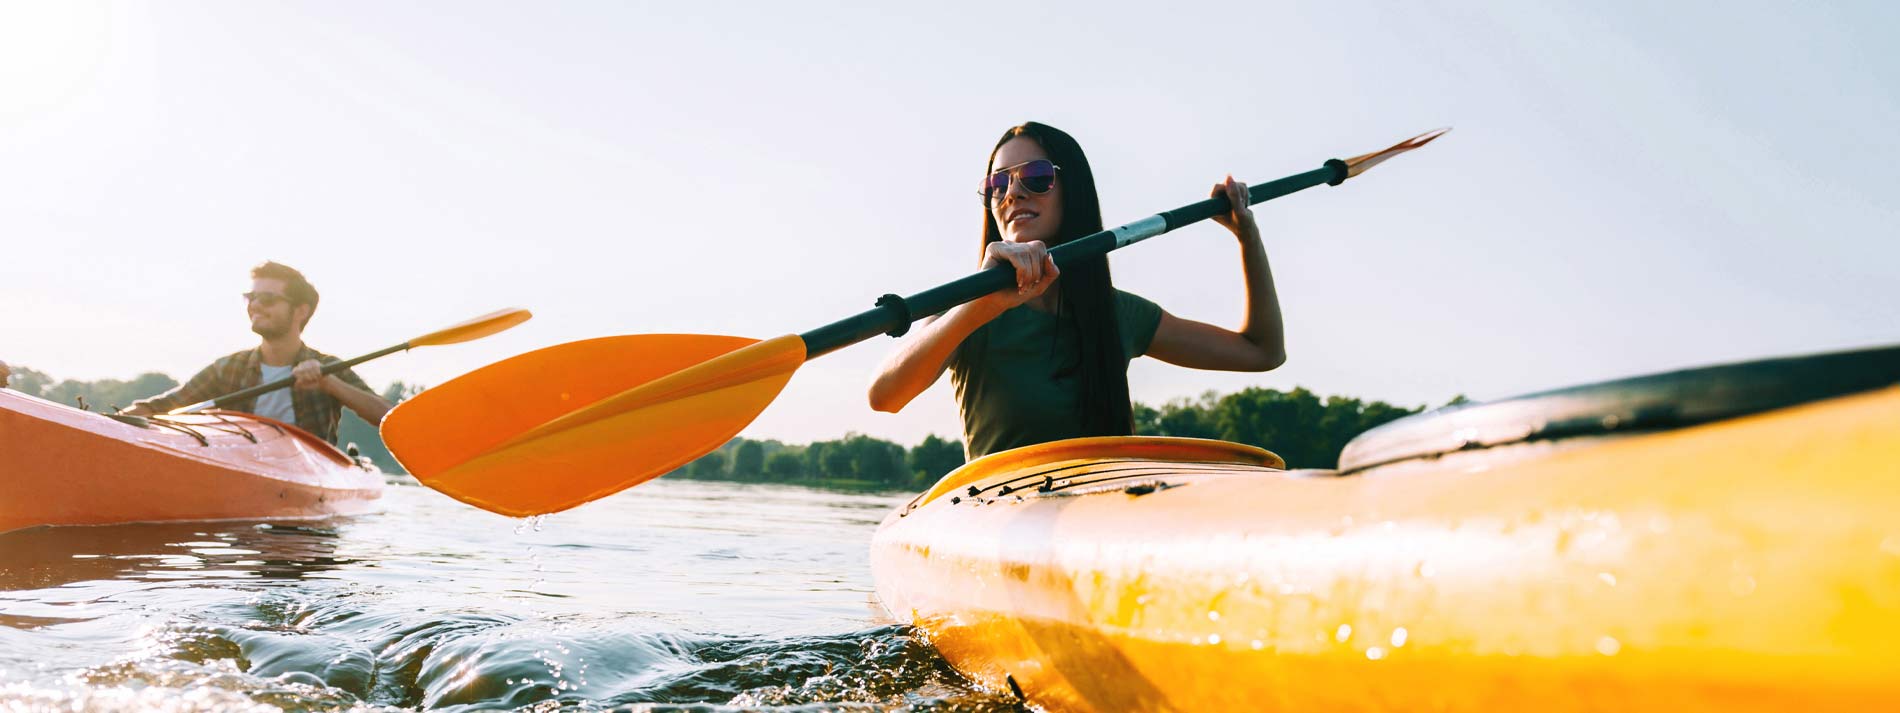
267	299
1036	176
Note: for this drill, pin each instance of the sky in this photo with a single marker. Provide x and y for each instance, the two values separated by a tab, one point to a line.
1629	187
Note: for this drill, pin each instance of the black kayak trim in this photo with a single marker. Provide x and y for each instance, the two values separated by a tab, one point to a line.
1655	402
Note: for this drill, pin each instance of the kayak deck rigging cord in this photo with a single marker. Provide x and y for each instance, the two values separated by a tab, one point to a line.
223	425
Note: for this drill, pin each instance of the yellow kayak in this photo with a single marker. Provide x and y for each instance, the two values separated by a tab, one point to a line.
1721	539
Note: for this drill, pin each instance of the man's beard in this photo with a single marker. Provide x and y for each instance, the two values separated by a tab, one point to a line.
270	331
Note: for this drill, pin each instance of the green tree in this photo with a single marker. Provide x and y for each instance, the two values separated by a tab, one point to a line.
1284	422
815	458
934	458
1147	420
1297	424
31	382
785	465
870	459
106	394
711	465
1339	421
748	460
1189	418
837	461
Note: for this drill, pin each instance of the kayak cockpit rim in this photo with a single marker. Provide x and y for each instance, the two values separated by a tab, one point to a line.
1043	457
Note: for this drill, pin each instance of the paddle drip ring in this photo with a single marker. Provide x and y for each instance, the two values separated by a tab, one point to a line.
903	312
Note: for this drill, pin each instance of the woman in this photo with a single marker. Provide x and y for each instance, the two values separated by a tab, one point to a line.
1049	359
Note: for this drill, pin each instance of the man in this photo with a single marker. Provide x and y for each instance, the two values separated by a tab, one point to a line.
280	304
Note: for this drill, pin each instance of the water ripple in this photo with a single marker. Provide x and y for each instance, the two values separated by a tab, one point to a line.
673	597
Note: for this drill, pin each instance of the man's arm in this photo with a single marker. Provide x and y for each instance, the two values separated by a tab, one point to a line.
346	387
203	385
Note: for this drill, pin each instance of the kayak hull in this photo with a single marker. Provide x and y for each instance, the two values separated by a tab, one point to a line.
64	466
1748	564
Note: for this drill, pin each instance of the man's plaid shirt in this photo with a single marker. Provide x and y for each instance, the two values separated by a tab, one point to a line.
317	412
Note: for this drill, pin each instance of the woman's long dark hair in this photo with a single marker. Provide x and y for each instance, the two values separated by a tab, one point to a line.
1085	299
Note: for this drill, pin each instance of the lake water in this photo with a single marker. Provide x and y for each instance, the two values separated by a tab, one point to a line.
676	595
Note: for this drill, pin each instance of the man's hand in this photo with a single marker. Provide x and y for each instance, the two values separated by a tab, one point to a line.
310	376
367	405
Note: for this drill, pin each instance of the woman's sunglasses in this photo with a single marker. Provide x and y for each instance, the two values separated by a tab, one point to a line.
1036	176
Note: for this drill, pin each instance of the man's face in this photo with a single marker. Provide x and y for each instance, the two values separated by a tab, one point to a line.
272	314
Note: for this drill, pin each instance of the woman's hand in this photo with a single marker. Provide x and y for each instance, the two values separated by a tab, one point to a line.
1260	345
924	354
1035	270
1240	219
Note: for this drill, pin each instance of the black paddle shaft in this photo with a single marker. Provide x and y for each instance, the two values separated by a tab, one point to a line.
893	314
226	400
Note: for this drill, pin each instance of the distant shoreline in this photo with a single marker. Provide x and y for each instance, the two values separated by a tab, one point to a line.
1304	428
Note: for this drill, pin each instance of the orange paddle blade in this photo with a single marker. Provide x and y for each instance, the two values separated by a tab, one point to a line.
474	329
558	427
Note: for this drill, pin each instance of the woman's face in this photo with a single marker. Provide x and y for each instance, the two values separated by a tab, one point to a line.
1021	215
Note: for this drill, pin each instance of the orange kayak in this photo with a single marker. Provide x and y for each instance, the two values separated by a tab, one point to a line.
63	466
1723	539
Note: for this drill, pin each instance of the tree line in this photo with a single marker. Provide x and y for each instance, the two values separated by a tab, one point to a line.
1302	427
1305	429
854	462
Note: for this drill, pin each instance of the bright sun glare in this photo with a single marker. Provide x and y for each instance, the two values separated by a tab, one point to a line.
49	53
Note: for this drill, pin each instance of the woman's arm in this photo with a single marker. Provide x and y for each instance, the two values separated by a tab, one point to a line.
924	354
1260	345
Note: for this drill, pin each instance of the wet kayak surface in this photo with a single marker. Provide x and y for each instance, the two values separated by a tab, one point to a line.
678	595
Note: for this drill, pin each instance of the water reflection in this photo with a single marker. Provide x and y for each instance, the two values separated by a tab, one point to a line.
47	557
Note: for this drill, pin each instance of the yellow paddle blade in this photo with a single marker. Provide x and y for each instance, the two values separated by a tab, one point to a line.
471	414
1364	162
559	427
474	329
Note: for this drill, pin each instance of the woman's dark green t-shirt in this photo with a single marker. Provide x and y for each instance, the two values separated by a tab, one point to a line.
1023	396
